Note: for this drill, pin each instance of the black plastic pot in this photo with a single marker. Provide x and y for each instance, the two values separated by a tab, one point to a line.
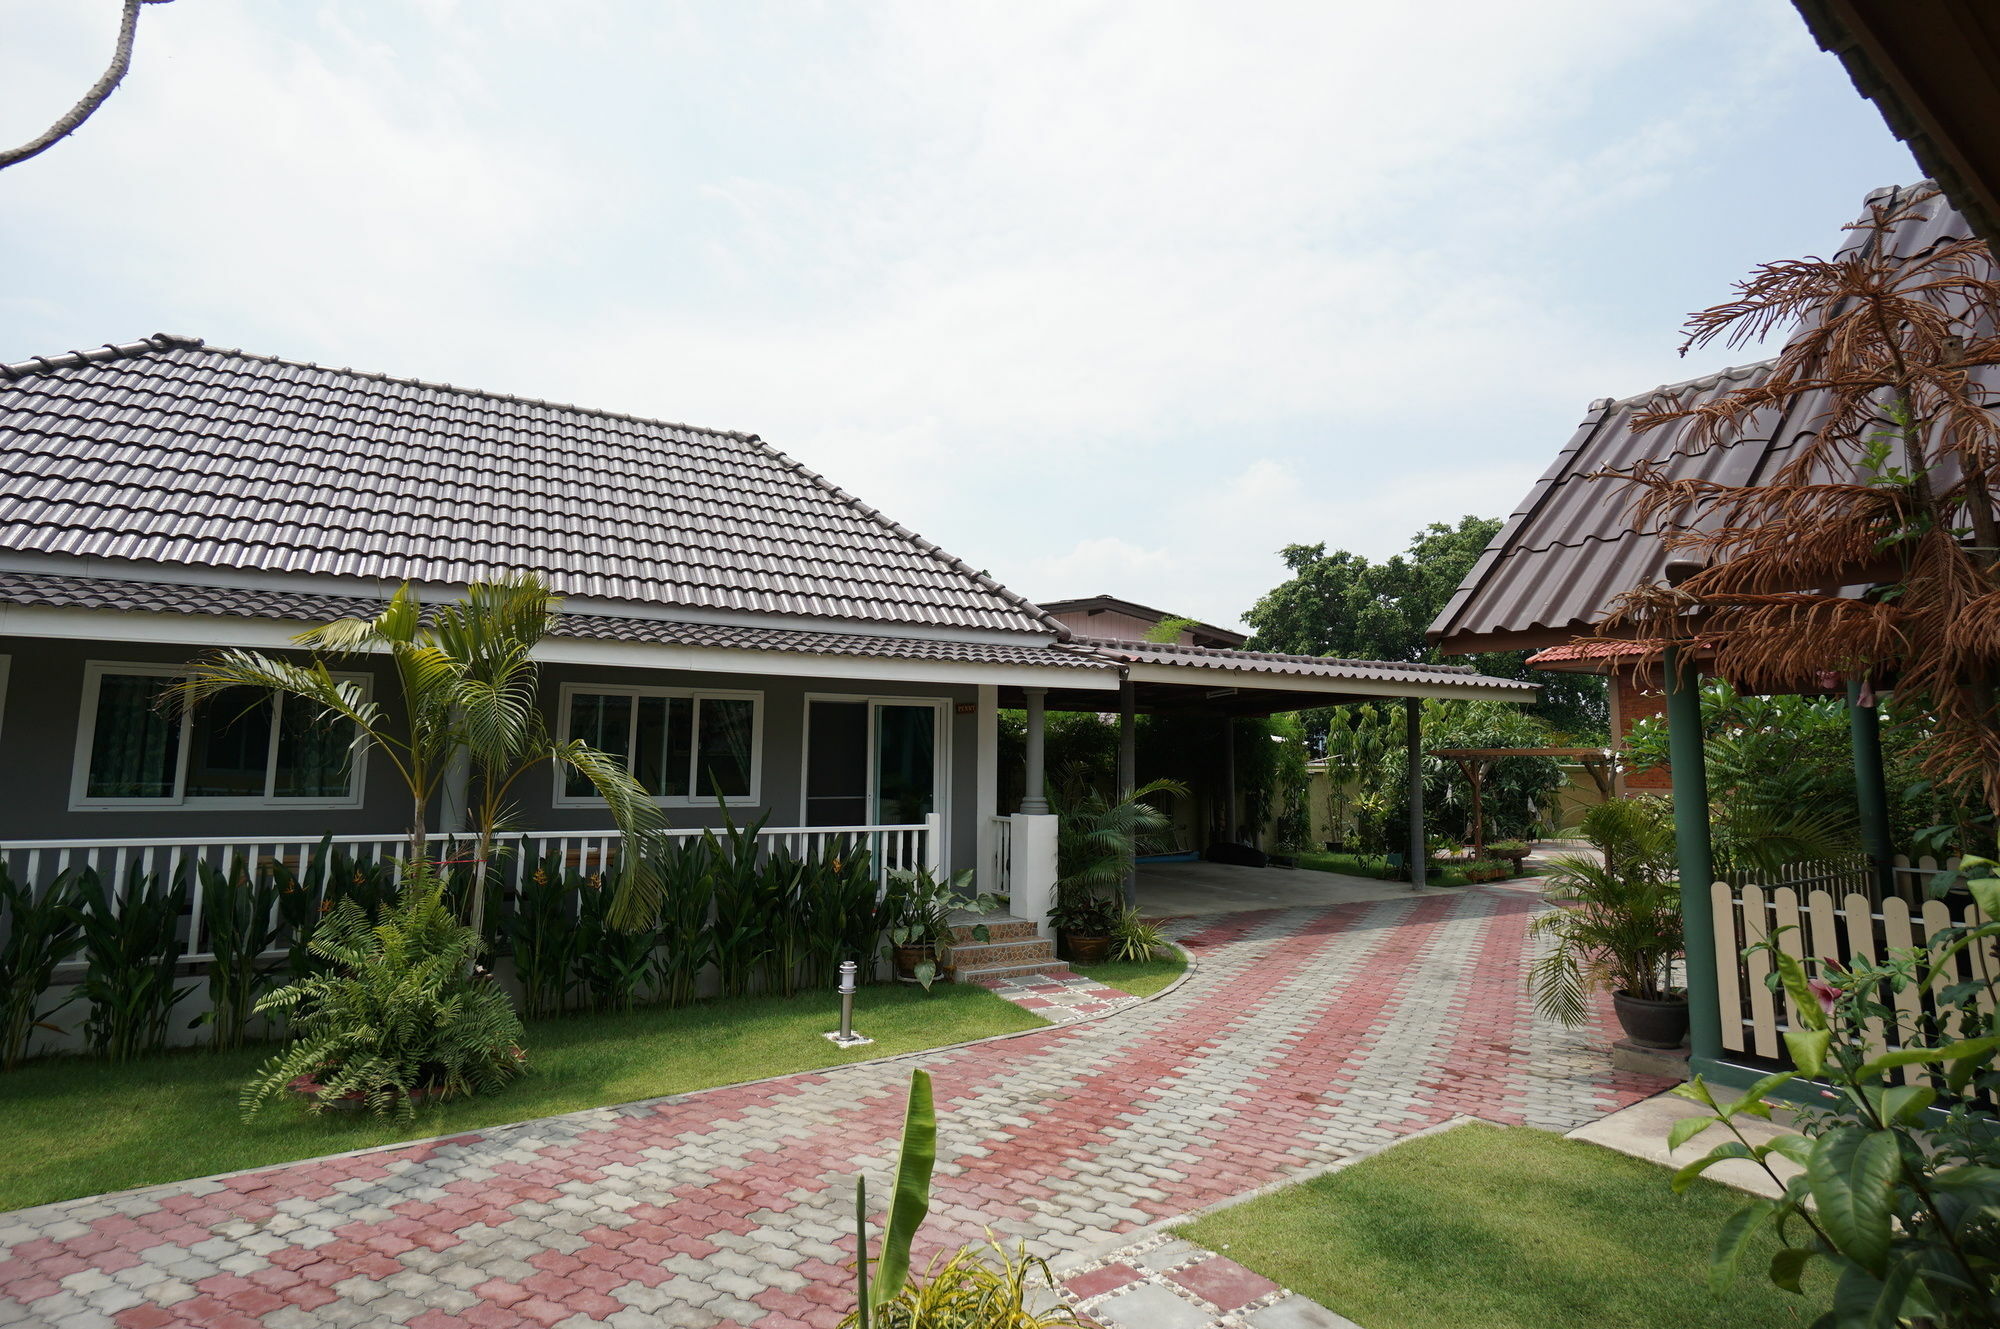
1649	1023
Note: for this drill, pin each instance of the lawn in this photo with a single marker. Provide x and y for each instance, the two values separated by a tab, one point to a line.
71	1126
1354	865
1488	1227
1141	978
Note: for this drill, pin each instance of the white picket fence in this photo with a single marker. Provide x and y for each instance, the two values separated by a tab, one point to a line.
38	862
1854	874
1824	925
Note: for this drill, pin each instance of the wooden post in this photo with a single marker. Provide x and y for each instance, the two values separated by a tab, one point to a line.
1128	770
1413	734
1871	792
1694	853
1034	794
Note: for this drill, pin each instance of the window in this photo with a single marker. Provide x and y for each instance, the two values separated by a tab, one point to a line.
684	746
243	748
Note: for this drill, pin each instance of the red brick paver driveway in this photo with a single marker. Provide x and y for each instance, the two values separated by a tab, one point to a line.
1306	1034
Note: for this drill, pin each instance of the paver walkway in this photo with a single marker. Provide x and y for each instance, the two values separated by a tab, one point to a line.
1060	998
1305	1034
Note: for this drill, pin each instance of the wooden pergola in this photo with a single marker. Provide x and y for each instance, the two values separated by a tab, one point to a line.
1474	763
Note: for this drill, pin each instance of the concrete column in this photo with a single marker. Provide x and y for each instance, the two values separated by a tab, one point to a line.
986	787
455	794
1128	769
1871	791
1695	854
1034	795
1229	779
1413	735
1034	869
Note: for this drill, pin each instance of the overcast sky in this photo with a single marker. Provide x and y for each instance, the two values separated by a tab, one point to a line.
1102	297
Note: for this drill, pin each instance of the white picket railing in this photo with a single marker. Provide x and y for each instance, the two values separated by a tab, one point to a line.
1852	873
1820	925
1002	864
36	863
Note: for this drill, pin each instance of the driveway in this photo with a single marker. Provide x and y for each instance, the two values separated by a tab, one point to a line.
1305	1034
1198	890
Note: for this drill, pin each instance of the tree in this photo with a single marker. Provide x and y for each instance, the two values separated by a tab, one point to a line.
469	690
1341	604
1889	487
100	92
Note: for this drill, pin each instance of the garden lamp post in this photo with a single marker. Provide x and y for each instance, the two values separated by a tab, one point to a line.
845	1035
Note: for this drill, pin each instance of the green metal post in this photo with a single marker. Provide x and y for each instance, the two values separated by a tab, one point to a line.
1871	791
1695	854
1413	736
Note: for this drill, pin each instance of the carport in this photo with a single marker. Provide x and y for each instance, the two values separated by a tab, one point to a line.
1225	685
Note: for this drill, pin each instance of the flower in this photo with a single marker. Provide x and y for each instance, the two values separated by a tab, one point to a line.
1826	992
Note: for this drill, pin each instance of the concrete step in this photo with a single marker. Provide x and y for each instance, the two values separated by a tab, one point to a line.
1036	950
1010	971
999	927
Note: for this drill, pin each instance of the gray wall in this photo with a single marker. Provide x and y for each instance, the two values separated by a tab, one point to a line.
43	702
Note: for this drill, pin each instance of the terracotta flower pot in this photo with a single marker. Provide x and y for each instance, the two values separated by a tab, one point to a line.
1649	1023
909	957
308	1088
1086	950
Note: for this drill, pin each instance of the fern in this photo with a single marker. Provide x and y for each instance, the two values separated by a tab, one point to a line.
402	1013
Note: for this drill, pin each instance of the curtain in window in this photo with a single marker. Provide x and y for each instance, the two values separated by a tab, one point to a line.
134	746
726	724
603	720
314	760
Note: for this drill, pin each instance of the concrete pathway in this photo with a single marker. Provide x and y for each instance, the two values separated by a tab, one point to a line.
1303	1036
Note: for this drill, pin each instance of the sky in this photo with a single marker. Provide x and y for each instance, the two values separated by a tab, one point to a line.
1113	298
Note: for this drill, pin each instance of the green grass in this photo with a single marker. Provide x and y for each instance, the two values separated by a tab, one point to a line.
1354	865
72	1126
1141	978
1485	1227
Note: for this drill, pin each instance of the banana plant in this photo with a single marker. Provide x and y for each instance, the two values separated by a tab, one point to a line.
908	1204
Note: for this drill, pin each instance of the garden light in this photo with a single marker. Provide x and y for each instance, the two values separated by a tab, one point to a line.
845	1035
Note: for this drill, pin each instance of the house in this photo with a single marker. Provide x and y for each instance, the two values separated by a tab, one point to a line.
731	619
1108	618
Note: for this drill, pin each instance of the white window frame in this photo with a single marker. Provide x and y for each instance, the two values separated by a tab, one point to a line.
80	799
945	707
570	691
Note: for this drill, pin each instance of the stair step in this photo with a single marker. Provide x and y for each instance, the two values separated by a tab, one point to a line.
1010	971
977	955
999	927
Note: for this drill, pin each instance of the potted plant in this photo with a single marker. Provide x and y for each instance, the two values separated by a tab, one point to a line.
920	927
1485	869
1616	928
1085	924
1515	852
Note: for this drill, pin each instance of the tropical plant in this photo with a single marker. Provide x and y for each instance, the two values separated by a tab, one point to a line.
1133	938
1616	924
1085	916
131	947
921	907
539	929
686	938
402	1013
469	689
1900	1181
240	913
1890	486
909	1201
611	963
1098	836
975	1288
843	912
38	933
745	915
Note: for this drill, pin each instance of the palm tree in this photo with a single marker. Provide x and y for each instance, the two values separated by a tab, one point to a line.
1098	837
469	683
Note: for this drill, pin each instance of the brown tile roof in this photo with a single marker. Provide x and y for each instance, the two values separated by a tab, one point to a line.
1571	547
168	451
19	588
1304	666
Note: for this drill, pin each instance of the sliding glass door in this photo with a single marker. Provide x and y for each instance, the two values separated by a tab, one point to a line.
874	761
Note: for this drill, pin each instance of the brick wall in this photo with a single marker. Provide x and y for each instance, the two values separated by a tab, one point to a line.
1635	696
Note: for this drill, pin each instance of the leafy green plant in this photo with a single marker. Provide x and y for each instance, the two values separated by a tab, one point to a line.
1085	916
686	938
1617	923
975	1288
1903	1202
540	929
402	1013
1097	836
38	933
846	912
741	939
611	964
909	1201
240	913
1133	938
131	947
921	908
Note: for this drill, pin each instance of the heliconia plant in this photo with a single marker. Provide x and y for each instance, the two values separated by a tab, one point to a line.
132	947
240	912
1898	1191
38	933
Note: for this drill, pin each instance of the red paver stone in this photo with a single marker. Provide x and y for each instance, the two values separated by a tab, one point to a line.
1224	1282
1102	1280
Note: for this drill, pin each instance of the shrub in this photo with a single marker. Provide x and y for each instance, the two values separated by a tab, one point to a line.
131	946
1133	938
970	1289
402	1013
37	933
1900	1201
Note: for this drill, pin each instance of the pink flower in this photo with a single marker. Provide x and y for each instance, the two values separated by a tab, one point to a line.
1825	992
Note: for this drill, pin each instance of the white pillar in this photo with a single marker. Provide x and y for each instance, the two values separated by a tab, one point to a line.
986	787
1034	794
934	844
1034	868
